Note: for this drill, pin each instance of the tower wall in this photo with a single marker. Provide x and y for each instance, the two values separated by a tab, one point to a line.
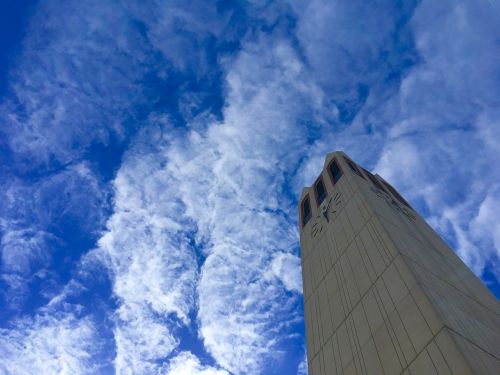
383	294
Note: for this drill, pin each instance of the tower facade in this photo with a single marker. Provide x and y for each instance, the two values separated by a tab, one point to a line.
383	293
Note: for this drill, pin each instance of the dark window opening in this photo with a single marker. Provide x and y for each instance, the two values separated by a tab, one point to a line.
319	188
335	171
306	211
396	194
374	180
353	167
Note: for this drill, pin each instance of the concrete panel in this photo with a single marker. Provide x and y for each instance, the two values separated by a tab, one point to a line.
481	361
453	356
387	351
371	358
438	359
422	365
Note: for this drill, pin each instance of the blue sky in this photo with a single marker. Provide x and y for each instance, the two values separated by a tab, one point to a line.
152	154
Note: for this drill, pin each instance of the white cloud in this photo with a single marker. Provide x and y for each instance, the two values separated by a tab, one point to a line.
75	193
185	363
441	147
350	50
302	370
180	31
59	89
86	67
49	345
231	178
486	219
30	215
65	76
224	181
142	338
287	268
485	229
21	248
23	253
153	268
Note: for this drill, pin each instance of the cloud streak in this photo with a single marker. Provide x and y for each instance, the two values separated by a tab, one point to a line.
231	180
451	98
50	344
152	266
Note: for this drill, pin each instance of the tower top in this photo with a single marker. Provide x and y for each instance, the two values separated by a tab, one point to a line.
328	158
338	167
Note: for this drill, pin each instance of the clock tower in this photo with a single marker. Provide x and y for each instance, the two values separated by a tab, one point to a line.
383	293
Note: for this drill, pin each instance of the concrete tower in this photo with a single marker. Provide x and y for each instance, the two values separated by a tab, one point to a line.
383	294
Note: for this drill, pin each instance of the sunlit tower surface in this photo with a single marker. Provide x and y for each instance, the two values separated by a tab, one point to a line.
383	293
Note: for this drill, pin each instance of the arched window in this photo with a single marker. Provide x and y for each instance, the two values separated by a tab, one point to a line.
319	190
306	210
334	171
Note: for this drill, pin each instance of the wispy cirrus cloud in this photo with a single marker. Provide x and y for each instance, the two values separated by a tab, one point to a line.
50	344
195	185
185	363
82	78
89	72
441	141
232	179
355	57
33	219
68	90
147	252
